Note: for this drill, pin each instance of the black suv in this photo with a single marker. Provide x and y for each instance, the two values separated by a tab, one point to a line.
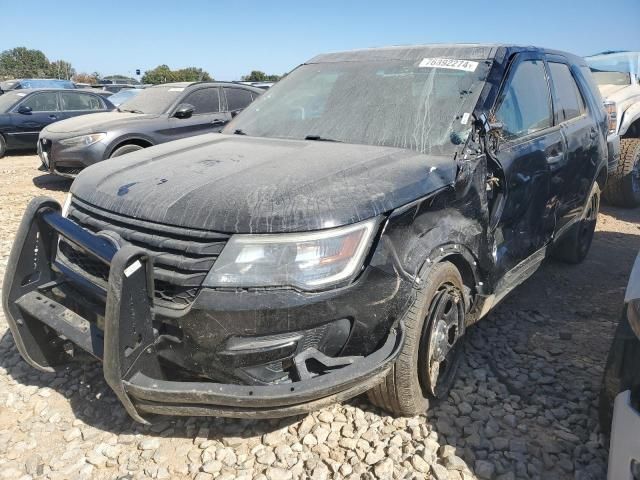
339	236
24	113
155	115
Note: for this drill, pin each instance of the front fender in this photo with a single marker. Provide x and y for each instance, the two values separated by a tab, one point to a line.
629	116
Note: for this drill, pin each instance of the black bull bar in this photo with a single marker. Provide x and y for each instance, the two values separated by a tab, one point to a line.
127	342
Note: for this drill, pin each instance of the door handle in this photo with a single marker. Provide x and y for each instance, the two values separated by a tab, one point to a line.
53	117
218	121
554	158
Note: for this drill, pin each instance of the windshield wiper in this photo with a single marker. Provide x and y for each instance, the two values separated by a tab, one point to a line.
130	110
318	138
237	131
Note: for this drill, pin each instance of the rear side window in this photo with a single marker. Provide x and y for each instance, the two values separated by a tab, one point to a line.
237	98
524	106
42	102
80	101
569	100
206	100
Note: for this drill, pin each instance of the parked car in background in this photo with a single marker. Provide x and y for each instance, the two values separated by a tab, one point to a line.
338	236
262	85
620	394
155	115
24	113
102	93
24	83
123	95
618	77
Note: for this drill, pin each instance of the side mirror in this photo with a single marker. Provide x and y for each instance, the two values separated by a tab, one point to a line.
184	110
24	110
235	112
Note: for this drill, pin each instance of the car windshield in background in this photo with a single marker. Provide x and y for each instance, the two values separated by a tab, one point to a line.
421	105
9	99
615	68
153	100
124	95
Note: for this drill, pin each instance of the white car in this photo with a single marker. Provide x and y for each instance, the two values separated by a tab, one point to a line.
618	77
622	383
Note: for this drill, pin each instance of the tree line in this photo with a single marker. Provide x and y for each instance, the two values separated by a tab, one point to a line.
22	62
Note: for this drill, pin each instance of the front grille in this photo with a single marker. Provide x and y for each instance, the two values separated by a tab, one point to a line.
68	170
182	257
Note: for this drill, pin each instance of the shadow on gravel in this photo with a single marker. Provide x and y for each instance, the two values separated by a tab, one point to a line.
47	181
624	214
525	401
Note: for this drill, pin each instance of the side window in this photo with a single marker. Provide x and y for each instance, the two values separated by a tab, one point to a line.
80	101
42	102
524	106
569	100
206	100
237	98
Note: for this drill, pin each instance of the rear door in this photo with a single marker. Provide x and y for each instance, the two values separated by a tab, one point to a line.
238	99
73	104
207	115
44	111
571	178
530	142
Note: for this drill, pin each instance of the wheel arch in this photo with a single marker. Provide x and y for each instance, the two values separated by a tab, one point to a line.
630	126
139	140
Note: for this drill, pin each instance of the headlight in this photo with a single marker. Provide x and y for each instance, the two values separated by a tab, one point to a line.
83	140
308	261
612	112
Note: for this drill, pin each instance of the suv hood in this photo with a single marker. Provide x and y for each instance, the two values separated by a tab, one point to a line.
237	184
95	122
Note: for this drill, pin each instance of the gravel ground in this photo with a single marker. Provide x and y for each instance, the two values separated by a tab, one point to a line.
524	404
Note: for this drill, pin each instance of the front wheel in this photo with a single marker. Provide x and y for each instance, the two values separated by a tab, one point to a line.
431	354
125	149
623	185
3	146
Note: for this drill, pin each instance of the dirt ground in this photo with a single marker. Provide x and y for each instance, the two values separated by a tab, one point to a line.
524	405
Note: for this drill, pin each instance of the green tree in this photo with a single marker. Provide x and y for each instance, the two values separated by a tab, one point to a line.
21	62
258	76
164	74
61	69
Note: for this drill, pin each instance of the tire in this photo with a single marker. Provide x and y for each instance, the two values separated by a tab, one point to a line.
621	371
574	246
123	150
414	379
623	185
3	146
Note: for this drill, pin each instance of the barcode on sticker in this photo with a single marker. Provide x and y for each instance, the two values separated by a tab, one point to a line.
131	269
450	63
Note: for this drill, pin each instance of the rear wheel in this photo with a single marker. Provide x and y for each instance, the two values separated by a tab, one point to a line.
575	245
3	146
125	149
623	186
428	362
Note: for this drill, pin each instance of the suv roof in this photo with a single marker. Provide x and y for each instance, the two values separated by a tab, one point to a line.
471	51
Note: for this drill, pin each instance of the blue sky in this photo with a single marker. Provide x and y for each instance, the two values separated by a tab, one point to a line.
229	39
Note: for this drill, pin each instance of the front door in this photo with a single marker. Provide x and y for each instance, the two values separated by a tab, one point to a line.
529	142
207	116
44	110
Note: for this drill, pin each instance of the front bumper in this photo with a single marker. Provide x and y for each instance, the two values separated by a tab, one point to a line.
128	343
68	161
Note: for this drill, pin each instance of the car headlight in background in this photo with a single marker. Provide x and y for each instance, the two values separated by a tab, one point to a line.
83	140
612	113
308	261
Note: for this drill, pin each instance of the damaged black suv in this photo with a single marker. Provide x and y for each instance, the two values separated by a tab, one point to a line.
337	237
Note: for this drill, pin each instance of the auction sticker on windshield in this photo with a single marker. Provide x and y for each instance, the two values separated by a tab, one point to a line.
450	63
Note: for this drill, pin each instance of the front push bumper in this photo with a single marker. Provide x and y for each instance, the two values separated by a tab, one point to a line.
43	326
